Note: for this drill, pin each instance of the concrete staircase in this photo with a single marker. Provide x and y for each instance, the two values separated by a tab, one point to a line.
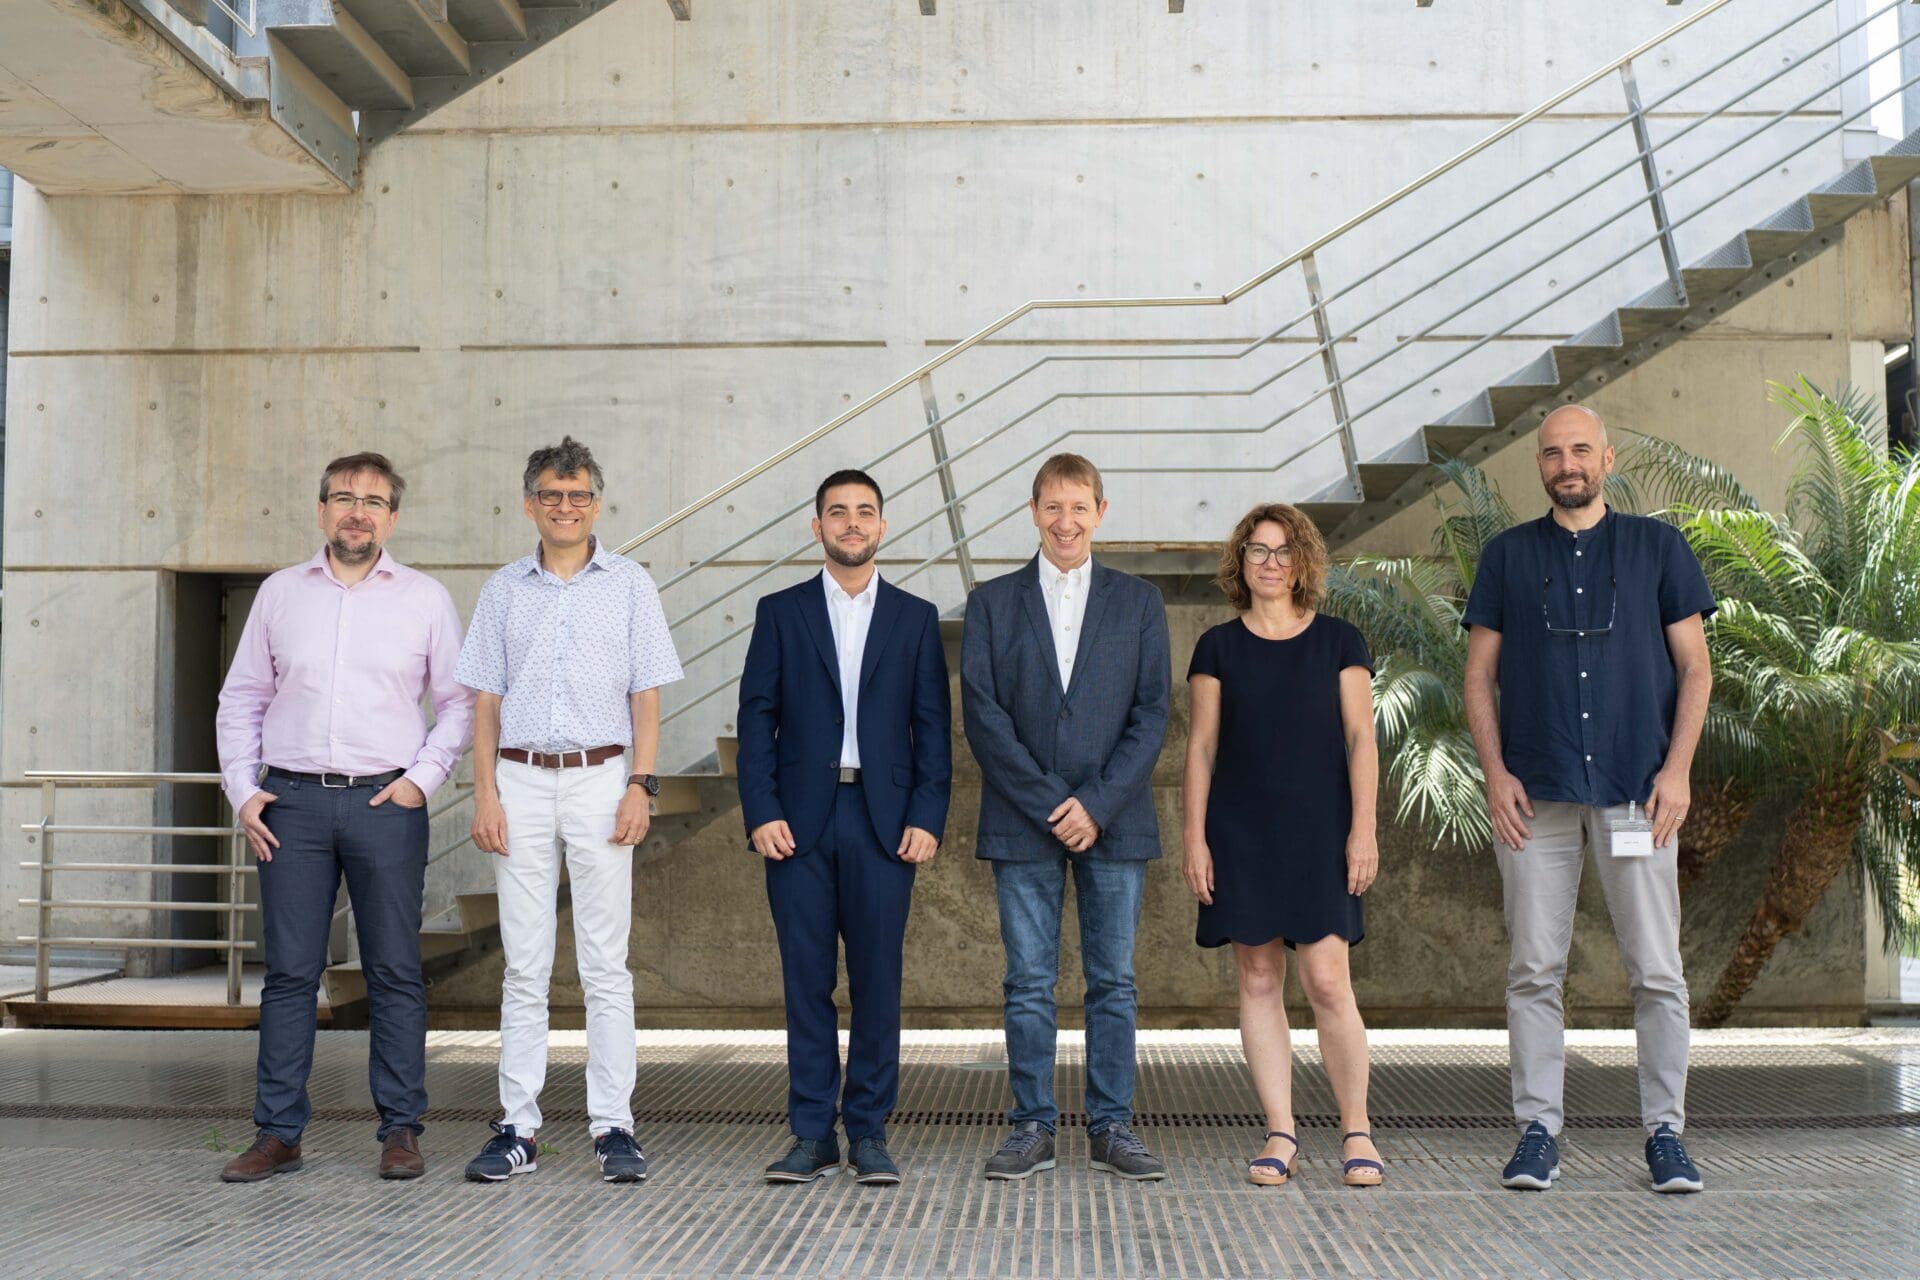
175	97
1625	337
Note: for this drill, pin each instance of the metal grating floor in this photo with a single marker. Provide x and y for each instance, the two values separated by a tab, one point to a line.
1810	1142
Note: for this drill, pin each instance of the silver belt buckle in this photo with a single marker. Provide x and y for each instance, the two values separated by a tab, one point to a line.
335	786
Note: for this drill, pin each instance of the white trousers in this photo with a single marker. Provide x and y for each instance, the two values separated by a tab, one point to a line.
554	814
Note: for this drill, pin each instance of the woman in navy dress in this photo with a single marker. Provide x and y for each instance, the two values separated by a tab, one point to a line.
1279	832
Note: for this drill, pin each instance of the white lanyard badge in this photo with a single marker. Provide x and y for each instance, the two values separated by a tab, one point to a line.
1632	836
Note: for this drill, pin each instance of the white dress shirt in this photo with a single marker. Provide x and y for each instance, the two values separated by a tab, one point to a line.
851	617
1066	595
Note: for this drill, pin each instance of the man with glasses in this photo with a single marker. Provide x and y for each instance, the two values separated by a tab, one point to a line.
1589	624
566	655
325	692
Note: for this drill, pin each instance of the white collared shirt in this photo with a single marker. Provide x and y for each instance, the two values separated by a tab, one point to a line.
852	617
1066	595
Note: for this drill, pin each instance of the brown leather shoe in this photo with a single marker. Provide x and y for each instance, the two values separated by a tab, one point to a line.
400	1155
266	1157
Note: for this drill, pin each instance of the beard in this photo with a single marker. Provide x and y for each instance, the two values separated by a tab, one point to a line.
1574	499
852	559
346	553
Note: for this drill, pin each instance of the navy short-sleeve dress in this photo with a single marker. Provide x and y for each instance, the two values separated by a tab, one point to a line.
1281	805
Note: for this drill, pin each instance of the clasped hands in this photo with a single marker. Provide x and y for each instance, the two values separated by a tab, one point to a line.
774	842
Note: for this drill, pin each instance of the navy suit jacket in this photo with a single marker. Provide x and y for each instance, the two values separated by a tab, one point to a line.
1037	743
791	723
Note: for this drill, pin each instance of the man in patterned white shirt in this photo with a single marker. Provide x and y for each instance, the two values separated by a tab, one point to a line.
566	655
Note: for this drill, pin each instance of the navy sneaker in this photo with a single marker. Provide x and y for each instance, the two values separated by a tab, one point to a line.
620	1157
1667	1162
505	1154
808	1160
1536	1161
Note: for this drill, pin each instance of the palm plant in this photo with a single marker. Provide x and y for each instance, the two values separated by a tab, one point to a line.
1816	665
1409	609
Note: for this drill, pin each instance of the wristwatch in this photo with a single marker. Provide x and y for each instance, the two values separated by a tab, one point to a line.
646	781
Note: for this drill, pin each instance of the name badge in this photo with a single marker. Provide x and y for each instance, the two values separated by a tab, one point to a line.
1631	836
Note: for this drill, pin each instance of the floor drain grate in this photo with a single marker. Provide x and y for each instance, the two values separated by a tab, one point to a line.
955	1118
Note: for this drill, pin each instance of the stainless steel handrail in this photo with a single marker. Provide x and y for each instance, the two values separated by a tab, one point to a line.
1329	336
1042	304
236	868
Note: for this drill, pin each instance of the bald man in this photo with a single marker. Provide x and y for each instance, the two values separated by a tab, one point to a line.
1589	625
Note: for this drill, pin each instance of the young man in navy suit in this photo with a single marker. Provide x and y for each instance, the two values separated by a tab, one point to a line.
845	771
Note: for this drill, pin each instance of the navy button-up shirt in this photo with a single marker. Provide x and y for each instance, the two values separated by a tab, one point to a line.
1587	686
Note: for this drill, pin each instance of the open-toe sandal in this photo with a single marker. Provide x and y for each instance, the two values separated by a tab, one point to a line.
1361	1172
1272	1171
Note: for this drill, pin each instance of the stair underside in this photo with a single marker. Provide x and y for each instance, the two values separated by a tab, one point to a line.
1626	337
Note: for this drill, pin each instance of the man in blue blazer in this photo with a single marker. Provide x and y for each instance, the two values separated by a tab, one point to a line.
845	771
1064	681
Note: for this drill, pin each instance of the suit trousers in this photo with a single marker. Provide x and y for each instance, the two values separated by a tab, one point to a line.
1542	882
326	833
845	889
554	814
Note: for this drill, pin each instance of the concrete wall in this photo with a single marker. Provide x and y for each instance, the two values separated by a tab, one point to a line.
689	243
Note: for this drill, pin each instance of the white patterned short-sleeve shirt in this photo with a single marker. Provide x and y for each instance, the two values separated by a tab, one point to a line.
563	656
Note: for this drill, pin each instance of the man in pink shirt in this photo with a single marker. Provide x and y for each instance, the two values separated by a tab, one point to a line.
324	694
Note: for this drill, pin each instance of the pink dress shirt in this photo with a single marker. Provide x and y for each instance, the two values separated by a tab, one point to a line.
329	678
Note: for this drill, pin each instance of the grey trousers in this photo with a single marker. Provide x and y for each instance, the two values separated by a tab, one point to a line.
1542	881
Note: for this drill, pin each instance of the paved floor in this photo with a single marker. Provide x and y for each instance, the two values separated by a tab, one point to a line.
1810	1141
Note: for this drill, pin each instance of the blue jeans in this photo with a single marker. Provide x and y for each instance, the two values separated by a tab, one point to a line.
325	833
1032	894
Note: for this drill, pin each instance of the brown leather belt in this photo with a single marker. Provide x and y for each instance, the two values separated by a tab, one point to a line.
564	759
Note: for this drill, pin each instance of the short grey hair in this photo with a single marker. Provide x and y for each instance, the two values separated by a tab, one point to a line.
568	458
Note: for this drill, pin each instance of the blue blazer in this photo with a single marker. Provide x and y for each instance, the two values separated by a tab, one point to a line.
790	721
1037	743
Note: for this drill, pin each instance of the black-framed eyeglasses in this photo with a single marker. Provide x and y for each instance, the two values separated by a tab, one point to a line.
574	497
1258	552
343	501
1581	632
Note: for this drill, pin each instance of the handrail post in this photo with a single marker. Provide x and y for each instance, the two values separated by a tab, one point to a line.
1330	365
42	962
235	891
937	436
1650	173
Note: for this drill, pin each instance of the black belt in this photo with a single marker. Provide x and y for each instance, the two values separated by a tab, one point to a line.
338	781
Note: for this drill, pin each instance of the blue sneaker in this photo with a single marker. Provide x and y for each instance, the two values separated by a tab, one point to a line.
620	1157
505	1154
1667	1162
1535	1163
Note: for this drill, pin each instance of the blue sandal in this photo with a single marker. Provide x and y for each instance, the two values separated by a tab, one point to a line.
1271	1171
1361	1172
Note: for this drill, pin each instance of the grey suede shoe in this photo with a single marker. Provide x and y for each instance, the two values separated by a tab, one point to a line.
1117	1149
1027	1150
808	1160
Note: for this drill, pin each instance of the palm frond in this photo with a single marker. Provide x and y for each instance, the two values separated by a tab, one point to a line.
1667	474
1440	787
1841	468
1755	556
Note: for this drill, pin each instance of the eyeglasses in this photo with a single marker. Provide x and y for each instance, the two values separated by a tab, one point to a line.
1259	552
574	497
1581	632
345	502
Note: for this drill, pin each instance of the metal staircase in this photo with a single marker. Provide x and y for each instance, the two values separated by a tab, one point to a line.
1683	201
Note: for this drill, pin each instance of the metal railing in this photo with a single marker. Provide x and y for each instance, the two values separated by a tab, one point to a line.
237	866
1510	242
